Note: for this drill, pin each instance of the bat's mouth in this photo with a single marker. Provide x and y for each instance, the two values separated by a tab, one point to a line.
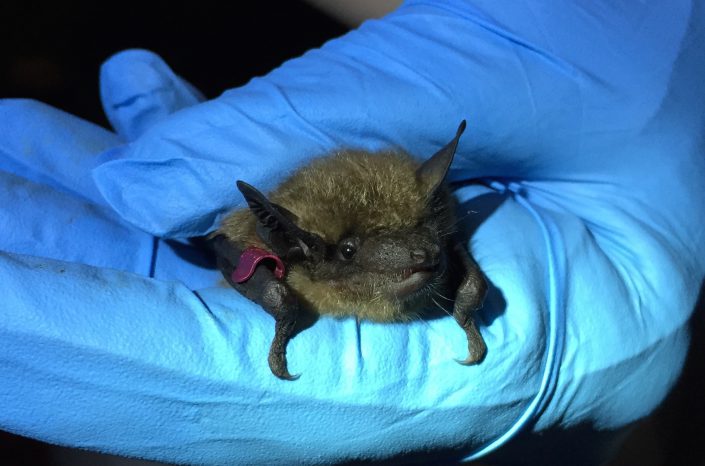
411	280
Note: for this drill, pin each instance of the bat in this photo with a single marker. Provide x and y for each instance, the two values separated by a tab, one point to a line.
369	235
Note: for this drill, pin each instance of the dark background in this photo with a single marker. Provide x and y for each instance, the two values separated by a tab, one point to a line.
52	51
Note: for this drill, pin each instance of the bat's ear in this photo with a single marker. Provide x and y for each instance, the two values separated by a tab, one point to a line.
276	226
433	171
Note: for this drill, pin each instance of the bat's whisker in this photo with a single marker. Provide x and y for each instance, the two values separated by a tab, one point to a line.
463	217
441	307
442	296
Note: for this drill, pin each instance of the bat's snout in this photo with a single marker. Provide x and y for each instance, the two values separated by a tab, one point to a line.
400	251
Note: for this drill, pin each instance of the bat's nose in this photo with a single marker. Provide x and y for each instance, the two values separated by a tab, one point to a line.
419	255
425	255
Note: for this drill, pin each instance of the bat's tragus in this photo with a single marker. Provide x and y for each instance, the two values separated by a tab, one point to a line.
360	234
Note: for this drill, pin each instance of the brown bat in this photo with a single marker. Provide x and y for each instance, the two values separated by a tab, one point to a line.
361	234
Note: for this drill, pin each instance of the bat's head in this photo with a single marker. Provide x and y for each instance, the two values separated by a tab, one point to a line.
362	234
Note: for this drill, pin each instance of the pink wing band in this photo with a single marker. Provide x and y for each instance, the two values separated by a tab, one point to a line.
249	260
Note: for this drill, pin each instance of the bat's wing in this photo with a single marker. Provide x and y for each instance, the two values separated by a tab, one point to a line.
468	301
264	288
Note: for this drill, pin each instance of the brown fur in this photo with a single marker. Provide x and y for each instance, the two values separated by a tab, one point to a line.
350	192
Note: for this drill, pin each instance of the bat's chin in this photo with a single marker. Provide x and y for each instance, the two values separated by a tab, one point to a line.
411	281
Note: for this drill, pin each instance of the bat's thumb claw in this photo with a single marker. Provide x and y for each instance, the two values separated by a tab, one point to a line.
278	365
476	356
288	376
469	361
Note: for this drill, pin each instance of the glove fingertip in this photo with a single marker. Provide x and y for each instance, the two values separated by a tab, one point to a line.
138	89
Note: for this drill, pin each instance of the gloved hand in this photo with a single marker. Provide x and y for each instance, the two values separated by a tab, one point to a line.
585	126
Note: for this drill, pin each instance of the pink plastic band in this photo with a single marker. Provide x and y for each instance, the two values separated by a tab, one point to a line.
249	260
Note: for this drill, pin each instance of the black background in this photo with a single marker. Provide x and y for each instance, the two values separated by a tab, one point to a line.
52	51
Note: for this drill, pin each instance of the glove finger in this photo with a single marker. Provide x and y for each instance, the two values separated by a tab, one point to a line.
138	89
49	146
39	220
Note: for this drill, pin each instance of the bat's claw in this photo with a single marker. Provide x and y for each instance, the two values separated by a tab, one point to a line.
278	365
477	349
471	360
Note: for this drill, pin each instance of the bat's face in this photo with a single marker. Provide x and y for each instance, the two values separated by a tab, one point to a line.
362	234
382	275
398	264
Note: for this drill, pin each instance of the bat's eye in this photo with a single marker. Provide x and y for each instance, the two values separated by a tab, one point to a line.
347	249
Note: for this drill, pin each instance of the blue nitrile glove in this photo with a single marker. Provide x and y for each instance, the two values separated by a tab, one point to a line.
585	126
